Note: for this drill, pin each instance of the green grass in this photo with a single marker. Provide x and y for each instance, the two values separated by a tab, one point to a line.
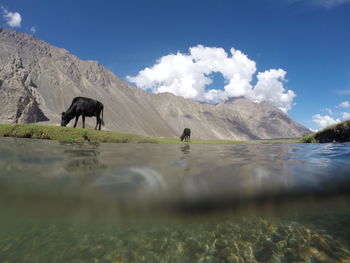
69	134
310	138
88	135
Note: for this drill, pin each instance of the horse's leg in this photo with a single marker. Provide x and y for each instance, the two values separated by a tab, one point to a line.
83	121
96	122
76	121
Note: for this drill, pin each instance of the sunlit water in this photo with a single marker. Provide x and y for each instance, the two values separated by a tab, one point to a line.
62	202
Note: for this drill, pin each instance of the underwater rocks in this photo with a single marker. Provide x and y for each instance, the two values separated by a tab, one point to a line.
264	254
243	240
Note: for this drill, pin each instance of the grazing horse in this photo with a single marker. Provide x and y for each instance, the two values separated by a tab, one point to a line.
186	135
85	107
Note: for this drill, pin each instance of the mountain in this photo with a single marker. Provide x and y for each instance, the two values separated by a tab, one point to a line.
38	81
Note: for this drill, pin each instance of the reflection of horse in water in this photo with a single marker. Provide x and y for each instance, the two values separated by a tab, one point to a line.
185	149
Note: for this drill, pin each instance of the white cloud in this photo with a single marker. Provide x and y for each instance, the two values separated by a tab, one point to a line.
344	104
13	19
270	88
345	116
324	121
189	75
32	30
322	3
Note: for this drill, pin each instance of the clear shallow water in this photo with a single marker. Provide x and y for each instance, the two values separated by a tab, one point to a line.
173	203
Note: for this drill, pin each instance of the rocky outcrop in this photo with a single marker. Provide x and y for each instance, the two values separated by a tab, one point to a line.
18	98
38	81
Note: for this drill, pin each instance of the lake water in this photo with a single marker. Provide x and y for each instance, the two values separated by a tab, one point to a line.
64	202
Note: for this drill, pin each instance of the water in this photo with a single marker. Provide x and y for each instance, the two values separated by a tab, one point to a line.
63	202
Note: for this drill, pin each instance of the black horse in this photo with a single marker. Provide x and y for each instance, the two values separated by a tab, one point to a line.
186	135
85	107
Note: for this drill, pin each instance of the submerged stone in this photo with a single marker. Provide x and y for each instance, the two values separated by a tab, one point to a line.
264	254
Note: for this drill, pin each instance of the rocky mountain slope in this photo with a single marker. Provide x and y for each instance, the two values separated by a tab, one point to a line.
38	81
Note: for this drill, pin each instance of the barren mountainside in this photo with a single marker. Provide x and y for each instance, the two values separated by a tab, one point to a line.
38	81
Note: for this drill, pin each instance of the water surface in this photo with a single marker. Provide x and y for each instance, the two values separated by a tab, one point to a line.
64	202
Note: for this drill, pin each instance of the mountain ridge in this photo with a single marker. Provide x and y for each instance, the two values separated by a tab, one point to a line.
38	81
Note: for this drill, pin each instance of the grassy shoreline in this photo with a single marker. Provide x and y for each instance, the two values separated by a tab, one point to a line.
89	135
69	134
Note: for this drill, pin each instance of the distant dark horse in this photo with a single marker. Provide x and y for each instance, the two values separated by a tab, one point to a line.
186	135
85	107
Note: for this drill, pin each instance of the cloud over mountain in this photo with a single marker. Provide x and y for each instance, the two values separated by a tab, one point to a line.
189	75
13	19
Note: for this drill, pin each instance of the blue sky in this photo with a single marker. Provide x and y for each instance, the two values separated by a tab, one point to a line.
210	49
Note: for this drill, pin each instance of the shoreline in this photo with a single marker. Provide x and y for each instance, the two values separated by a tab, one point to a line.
69	134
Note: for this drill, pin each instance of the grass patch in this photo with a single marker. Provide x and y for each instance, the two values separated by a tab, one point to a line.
89	135
69	134
310	138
